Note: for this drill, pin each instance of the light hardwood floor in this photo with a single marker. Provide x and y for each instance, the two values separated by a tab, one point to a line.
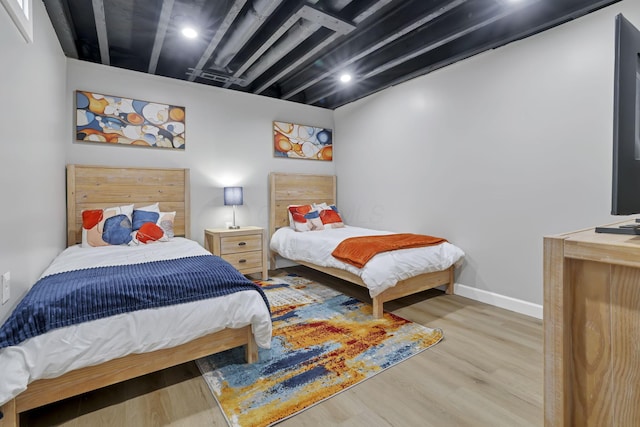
488	371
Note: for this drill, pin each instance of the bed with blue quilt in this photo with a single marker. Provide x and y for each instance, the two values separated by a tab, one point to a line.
104	314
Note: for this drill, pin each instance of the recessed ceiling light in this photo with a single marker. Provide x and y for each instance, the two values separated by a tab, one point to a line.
189	33
345	78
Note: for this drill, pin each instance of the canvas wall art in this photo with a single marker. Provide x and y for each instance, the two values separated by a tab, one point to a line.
302	141
116	120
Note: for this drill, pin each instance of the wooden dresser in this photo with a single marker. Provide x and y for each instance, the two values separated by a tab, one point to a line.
592	329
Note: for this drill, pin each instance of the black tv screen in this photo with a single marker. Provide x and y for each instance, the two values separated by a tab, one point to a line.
626	120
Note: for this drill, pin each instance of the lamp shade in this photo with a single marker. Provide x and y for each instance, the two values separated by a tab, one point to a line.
232	196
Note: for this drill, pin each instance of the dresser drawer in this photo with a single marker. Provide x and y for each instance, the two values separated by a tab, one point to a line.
236	244
245	261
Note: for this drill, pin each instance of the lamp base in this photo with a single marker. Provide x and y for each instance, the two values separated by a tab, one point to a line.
233	227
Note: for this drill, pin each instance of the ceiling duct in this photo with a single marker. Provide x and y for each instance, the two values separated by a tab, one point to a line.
318	48
298	33
245	28
323	19
310	20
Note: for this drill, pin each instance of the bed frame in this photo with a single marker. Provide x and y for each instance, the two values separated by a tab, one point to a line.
301	189
91	187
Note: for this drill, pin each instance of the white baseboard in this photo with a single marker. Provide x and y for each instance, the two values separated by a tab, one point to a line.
508	303
513	304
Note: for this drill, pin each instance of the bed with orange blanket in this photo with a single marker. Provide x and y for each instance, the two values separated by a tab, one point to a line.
406	263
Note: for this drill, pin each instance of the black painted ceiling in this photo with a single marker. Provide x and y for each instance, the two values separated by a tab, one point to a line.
294	49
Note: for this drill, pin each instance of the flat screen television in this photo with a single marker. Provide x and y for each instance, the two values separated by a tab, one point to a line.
625	198
625	188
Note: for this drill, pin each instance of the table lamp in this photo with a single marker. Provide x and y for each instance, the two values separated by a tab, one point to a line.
233	197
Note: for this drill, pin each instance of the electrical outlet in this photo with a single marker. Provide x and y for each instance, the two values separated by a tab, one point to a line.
6	289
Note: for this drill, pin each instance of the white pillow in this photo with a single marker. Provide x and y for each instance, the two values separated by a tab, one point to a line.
151	208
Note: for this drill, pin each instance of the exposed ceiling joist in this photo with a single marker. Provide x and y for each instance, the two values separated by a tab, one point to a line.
101	30
378	45
413	54
163	24
60	18
294	49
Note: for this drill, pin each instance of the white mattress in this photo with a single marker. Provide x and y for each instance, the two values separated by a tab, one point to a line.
91	343
381	272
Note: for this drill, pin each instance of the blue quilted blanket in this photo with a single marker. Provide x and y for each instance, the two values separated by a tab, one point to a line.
78	296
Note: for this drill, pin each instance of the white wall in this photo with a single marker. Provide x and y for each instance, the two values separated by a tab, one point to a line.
32	119
493	152
229	140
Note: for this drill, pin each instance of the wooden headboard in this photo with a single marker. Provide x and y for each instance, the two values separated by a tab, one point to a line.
296	189
99	187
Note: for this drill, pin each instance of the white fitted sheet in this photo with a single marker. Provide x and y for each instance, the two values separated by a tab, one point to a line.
65	349
381	272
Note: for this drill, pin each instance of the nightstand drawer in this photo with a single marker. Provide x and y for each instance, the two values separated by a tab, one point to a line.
236	244
245	261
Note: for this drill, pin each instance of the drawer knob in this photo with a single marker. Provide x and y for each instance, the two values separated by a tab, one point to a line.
241	261
242	243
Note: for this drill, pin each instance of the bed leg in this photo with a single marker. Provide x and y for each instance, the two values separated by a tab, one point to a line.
272	260
449	289
9	414
251	350
378	312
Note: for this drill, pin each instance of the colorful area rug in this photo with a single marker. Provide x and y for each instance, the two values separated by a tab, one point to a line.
323	343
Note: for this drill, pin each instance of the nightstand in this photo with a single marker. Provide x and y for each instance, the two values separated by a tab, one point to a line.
245	248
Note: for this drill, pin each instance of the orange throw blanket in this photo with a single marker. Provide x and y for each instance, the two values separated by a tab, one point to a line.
358	250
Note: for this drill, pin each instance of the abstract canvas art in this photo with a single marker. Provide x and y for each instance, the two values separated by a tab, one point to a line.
116	120
302	141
